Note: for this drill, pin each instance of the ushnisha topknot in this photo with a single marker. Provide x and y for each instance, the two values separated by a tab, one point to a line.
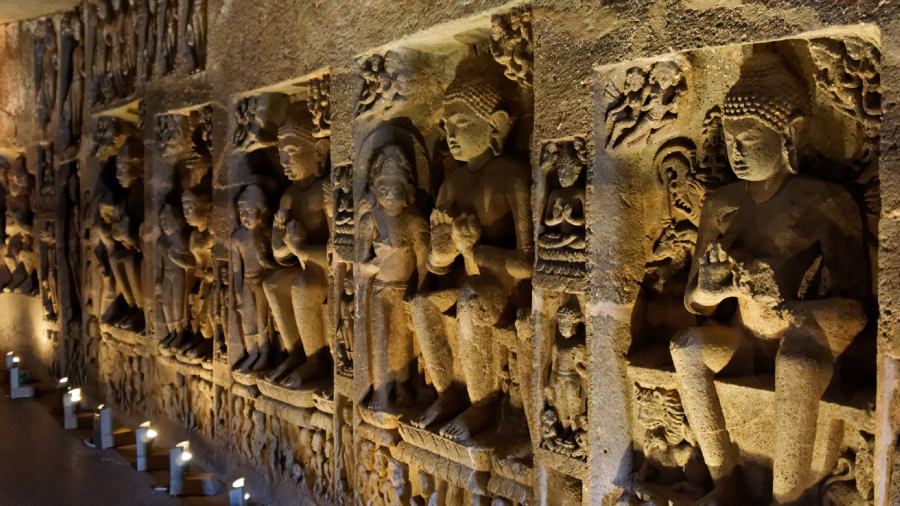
478	84
769	91
299	123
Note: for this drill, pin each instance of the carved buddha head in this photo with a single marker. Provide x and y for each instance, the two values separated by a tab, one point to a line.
130	162
676	172
761	116
475	119
302	154
197	208
169	221
390	179
251	204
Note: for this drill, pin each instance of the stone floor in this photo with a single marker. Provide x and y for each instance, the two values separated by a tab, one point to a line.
41	464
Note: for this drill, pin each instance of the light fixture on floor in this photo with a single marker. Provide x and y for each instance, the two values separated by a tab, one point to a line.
70	402
144	436
18	389
103	427
237	496
179	458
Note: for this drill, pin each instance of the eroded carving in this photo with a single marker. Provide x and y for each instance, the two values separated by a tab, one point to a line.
564	418
512	44
643	101
46	61
72	80
385	81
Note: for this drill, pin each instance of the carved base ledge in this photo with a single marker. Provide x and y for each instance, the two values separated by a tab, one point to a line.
304	397
378	436
245	378
566	465
380	419
469	454
122	335
186	369
452	472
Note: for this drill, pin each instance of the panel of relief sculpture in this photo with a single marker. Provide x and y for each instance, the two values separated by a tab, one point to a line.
752	359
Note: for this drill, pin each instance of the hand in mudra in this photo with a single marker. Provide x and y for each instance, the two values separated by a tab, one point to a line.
281	217
442	244
466	231
715	278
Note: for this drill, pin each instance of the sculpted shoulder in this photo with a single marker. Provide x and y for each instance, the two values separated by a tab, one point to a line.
510	168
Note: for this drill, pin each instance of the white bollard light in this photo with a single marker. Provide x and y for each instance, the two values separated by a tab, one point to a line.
237	496
71	402
144	436
9	359
103	427
179	458
17	390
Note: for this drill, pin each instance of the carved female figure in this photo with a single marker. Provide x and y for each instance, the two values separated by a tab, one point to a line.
482	214
393	243
250	263
197	209
297	291
789	250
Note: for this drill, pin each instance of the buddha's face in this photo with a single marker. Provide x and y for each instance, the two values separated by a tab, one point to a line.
298	156
755	150
468	135
250	213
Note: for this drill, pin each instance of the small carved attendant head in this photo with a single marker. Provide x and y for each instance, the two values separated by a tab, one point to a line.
474	117
108	210
251	204
390	179
103	9
169	221
130	162
676	171
665	74
302	154
762	114
197	208
568	317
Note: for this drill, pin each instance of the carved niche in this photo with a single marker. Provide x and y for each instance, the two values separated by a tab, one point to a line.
561	262
116	222
733	266
185	262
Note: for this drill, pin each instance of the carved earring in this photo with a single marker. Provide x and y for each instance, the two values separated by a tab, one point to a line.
789	154
496	144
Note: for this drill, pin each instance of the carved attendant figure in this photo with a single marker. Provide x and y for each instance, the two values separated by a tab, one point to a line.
250	262
789	250
299	236
171	285
197	209
482	214
393	245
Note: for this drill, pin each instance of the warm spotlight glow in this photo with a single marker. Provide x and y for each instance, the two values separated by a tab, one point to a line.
186	456
238	483
63	381
145	424
15	360
151	434
101	407
246	497
9	353
75	395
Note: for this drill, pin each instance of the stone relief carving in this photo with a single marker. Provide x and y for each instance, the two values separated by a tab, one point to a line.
72	80
385	81
193	46
392	241
344	334
342	197
849	75
564	414
851	482
473	201
643	101
512	44
167	34
296	291
562	238
805	294
119	210
19	255
46	61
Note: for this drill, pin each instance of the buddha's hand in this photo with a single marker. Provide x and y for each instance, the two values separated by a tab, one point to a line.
466	231
281	217
715	277
442	245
